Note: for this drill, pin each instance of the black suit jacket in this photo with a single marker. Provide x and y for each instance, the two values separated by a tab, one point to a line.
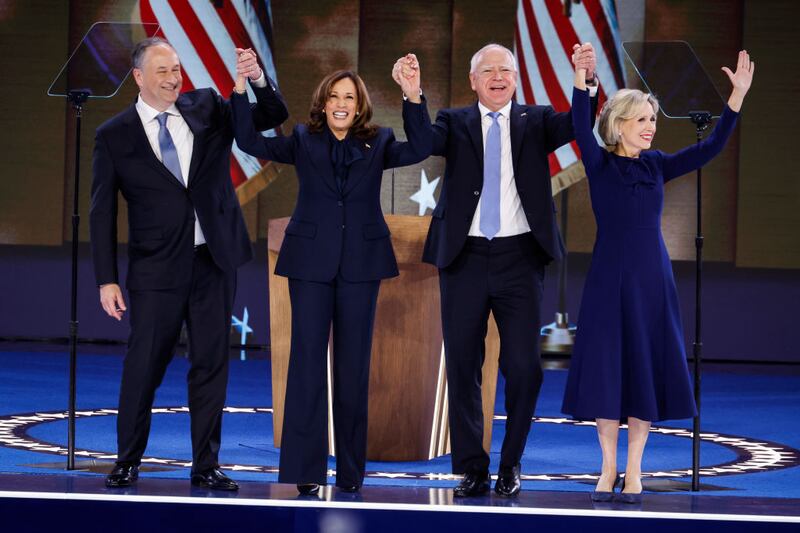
333	230
535	132
161	211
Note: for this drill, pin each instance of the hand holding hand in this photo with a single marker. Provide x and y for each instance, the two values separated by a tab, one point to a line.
406	73
583	57
112	301
247	64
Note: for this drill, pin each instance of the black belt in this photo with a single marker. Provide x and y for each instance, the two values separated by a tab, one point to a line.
500	240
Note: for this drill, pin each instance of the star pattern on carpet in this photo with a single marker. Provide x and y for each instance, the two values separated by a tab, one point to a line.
752	455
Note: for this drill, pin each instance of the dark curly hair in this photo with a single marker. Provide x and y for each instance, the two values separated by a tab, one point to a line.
361	127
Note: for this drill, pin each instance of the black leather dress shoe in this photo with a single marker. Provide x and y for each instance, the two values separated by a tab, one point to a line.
213	478
508	483
307	489
472	484
122	475
348	488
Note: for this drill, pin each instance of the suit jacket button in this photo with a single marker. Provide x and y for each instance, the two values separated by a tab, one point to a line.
476	193
340	203
342	226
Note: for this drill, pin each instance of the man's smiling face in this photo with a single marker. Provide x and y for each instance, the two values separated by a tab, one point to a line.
494	78
159	78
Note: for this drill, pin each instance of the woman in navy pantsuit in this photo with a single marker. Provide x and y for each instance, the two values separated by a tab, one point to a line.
629	360
335	253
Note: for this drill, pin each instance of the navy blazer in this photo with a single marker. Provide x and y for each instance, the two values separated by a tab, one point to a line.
535	132
161	211
333	230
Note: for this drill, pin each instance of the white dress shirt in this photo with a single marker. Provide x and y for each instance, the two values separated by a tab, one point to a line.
182	138
512	216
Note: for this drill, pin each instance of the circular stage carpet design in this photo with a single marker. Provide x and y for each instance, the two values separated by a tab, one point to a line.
750	455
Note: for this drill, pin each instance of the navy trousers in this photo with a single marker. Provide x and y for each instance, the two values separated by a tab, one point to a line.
205	303
316	306
505	276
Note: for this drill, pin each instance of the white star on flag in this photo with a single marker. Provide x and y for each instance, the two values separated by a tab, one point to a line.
424	196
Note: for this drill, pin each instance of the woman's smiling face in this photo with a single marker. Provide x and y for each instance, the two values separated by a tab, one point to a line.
340	108
636	133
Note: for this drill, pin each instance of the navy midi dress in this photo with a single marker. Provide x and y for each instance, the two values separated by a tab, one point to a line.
629	357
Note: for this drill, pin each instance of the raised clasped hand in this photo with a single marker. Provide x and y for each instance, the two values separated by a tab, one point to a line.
247	64
406	73
583	57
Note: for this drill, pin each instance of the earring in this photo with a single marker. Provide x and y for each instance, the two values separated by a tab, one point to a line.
357	113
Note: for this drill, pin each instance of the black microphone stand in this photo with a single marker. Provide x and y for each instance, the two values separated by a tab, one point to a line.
77	98
701	120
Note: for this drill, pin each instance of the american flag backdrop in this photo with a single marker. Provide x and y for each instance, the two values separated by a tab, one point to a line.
205	34
543	45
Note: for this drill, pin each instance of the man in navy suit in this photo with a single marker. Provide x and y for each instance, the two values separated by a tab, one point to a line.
491	235
169	156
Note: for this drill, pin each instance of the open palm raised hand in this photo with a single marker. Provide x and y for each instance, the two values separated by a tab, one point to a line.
743	77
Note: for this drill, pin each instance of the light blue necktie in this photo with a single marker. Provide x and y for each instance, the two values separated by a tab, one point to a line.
169	155
490	196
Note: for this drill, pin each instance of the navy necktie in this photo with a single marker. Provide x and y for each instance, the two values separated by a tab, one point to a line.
169	155
490	196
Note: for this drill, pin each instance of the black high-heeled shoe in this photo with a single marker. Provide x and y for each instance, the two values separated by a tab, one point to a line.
628	497
606	495
307	489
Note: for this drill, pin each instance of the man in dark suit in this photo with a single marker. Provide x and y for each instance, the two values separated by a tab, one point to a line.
169	156
491	235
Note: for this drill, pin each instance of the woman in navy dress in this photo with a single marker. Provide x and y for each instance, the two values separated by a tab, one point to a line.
335	253
629	360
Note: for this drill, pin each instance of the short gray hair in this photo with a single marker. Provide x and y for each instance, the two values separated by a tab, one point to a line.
137	56
622	106
473	63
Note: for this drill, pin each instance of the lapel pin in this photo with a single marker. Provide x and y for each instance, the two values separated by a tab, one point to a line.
367	145
523	114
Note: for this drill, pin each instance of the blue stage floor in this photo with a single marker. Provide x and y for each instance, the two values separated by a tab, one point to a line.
750	425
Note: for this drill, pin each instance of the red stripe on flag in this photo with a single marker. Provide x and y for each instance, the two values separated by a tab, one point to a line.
147	15
567	36
202	44
237	174
603	30
551	85
187	83
240	37
232	22
549	78
527	91
555	166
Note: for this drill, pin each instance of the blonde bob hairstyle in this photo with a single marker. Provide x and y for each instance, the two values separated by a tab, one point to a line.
620	107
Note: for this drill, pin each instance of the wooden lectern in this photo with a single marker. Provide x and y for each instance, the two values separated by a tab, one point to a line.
407	384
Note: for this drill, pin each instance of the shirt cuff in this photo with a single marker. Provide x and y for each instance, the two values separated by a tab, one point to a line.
261	82
405	98
593	90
